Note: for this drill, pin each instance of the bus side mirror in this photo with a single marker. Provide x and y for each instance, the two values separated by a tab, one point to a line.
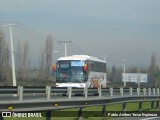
53	67
85	67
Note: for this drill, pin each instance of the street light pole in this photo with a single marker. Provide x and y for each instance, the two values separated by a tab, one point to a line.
124	71
139	82
12	53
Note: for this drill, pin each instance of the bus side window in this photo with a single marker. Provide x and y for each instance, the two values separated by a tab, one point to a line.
92	66
95	66
103	67
98	66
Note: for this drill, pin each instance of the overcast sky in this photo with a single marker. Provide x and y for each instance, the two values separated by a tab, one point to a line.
118	29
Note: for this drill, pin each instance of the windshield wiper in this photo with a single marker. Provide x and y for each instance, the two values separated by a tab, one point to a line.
64	78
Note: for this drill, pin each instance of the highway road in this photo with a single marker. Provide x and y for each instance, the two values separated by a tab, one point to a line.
23	99
41	96
44	96
38	97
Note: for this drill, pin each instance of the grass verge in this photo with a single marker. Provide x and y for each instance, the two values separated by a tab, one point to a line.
91	113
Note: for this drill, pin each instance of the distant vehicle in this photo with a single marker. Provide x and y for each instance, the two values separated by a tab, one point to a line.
80	71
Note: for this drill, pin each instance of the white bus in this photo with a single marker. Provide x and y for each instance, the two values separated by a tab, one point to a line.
80	71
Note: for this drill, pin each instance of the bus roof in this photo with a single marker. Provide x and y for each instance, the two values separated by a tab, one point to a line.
81	57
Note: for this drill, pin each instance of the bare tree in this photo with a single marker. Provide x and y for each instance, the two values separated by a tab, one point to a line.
4	60
1	55
41	66
48	56
6	68
19	55
154	72
153	62
22	61
45	60
25	60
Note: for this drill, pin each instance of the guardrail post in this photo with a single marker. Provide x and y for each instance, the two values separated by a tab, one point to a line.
154	91
86	91
48	115
140	106
111	91
157	91
48	91
131	91
123	107
1	118
69	92
79	113
157	104
144	91
152	104
100	92
121	90
20	93
103	110
138	91
149	91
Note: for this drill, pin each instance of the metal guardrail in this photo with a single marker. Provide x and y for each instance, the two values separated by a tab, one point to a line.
86	92
27	99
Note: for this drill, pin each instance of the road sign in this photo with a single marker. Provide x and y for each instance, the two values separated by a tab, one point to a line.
134	77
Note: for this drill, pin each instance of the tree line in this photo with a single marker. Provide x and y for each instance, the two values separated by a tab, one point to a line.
153	71
26	75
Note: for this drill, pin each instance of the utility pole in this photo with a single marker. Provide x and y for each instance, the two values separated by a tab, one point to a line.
124	71
139	80
65	46
12	53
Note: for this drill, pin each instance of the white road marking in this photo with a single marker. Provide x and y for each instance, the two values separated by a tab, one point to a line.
150	118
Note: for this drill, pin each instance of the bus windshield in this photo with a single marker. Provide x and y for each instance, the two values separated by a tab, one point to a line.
70	71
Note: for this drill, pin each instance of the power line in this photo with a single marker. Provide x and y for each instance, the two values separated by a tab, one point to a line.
74	46
5	22
30	35
65	46
77	51
72	50
31	31
28	32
